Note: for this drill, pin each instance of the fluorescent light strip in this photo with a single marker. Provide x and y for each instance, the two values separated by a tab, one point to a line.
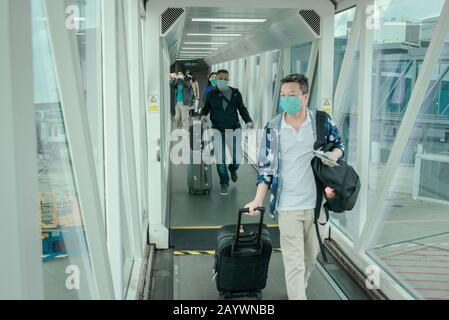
211	43
228	20
215	34
212	49
194	52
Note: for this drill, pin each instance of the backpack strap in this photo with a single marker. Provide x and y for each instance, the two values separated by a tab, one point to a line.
320	141
320	116
319	201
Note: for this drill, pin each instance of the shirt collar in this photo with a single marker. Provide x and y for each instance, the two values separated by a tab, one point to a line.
285	125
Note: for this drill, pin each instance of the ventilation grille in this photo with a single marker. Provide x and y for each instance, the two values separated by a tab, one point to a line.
313	20
169	17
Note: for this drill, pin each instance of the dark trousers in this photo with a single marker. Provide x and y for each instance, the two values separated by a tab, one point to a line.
231	139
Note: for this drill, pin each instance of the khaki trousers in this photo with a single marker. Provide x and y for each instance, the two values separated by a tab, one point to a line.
300	248
182	116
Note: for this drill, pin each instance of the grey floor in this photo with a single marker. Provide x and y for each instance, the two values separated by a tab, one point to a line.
193	280
193	273
211	210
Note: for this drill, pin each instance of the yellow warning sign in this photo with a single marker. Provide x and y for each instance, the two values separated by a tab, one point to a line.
153	104
327	106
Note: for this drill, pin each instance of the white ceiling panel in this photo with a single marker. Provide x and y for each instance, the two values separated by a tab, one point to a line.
282	28
243	28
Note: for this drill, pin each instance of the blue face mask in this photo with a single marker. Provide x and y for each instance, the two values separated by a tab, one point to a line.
222	85
290	104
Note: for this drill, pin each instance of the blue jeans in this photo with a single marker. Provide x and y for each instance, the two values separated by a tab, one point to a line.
233	140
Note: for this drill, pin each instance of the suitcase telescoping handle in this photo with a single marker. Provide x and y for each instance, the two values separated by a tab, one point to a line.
239	225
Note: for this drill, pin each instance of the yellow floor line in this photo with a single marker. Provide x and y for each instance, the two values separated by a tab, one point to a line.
202	252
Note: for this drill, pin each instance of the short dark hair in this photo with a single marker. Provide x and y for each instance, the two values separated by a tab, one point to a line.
211	74
300	79
222	71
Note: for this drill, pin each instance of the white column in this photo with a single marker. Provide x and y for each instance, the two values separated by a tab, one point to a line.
93	80
326	61
130	185
158	231
364	111
137	87
112	144
20	242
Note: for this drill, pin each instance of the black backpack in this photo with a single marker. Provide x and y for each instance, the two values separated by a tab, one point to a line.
343	179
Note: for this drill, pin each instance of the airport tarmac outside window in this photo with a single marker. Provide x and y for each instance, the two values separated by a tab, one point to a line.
411	240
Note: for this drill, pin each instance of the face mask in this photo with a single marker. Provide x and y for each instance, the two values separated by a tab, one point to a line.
180	77
222	84
291	104
213	82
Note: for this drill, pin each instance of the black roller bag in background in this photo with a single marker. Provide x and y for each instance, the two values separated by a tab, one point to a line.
242	258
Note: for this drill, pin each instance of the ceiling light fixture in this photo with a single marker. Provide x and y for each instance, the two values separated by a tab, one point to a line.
215	34
200	49
209	43
229	20
192	55
195	52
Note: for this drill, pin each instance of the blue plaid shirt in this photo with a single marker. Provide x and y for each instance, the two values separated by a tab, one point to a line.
269	154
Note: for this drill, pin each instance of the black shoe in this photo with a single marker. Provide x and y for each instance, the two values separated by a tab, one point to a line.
234	176
224	190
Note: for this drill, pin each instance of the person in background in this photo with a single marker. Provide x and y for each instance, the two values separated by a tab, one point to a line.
196	91
285	167
211	85
183	96
224	105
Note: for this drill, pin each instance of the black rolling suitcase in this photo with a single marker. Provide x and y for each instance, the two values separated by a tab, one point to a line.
242	258
199	174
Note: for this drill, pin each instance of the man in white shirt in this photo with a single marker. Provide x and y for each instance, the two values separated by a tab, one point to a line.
285	165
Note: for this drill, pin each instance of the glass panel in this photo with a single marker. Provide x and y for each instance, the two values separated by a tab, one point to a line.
313	101
342	28
89	44
65	252
411	239
347	123
300	57
125	202
397	63
275	69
